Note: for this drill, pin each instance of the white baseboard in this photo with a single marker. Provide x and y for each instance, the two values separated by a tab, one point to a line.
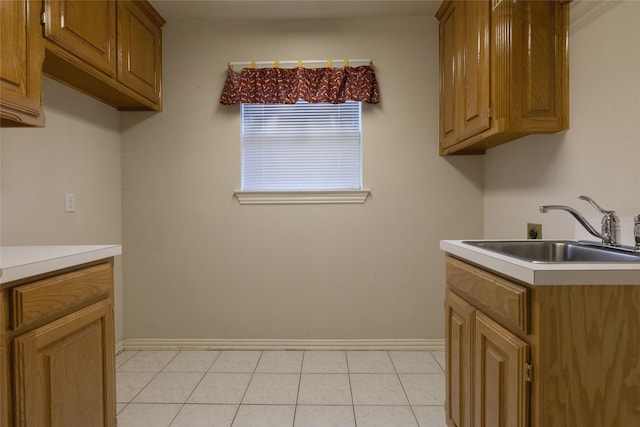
257	344
119	347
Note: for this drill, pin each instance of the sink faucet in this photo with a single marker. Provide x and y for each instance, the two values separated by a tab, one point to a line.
610	225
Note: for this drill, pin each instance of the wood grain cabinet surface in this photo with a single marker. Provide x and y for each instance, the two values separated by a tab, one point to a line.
503	72
575	364
21	56
57	351
108	49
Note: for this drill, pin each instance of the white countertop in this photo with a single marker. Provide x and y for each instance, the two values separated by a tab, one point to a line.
18	262
546	274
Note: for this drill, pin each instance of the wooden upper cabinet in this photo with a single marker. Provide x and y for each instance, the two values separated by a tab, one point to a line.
503	72
140	47
110	50
84	29
21	56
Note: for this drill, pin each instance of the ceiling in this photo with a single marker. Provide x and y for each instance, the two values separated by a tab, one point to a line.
291	9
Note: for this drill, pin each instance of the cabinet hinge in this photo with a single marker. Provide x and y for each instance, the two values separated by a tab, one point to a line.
489	113
528	372
43	18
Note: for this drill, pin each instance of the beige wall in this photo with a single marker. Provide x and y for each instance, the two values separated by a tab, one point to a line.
78	152
599	156
199	265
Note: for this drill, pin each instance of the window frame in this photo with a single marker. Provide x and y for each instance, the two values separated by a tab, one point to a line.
321	196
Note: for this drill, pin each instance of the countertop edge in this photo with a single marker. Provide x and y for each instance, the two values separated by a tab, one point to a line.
545	274
19	262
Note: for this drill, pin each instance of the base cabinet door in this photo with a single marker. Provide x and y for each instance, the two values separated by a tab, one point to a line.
459	329
63	371
501	376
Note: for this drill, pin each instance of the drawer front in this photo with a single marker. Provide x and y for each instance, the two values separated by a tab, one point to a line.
49	298
505	301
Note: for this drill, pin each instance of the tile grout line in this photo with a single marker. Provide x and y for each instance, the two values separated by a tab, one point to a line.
117	368
405	391
255	368
149	382
194	388
295	408
353	403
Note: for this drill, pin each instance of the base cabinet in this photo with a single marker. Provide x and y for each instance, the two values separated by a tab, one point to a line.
61	363
539	356
487	383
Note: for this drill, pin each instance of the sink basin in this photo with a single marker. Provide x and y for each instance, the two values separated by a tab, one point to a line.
555	251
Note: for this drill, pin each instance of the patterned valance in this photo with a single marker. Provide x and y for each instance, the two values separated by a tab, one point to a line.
288	85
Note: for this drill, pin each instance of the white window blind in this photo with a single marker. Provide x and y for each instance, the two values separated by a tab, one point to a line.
298	147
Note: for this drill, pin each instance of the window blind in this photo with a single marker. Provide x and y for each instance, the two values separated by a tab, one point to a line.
298	147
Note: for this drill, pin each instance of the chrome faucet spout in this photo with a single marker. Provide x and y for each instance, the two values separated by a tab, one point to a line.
576	215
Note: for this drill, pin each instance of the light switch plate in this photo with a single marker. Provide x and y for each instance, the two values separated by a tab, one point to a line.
69	202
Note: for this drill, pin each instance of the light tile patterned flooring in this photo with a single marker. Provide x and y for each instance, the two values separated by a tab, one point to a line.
280	388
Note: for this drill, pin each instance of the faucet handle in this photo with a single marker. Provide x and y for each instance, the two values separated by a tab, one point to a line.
610	223
595	205
636	232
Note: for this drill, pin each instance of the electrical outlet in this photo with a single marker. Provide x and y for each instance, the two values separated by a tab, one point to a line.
534	231
69	202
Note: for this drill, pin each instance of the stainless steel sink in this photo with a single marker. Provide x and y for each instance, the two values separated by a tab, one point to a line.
555	251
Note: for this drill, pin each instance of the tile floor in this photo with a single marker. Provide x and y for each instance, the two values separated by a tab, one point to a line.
280	388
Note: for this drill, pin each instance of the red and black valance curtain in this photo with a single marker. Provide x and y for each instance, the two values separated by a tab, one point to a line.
288	85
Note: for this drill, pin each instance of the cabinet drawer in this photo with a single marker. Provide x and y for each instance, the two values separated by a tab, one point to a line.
501	299
53	296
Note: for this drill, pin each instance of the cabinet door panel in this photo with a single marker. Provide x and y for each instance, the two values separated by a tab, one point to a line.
140	51
21	56
459	360
64	371
86	28
448	67
544	82
13	74
474	76
501	388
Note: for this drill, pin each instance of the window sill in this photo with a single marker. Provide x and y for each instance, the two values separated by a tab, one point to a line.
301	197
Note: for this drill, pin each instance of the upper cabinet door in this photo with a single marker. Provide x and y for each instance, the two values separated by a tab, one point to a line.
140	49
86	28
21	56
448	67
474	69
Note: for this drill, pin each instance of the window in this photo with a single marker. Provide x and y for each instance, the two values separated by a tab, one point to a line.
301	147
